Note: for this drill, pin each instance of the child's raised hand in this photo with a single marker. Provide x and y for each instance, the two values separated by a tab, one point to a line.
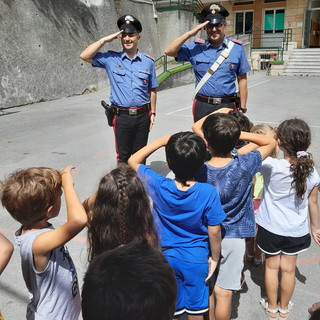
66	176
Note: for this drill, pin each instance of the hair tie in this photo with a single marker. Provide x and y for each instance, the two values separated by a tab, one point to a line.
302	154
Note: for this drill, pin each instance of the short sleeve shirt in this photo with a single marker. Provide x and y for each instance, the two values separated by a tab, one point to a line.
201	54
182	217
281	211
130	79
234	185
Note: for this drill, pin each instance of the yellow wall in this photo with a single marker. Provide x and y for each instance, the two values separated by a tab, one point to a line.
294	15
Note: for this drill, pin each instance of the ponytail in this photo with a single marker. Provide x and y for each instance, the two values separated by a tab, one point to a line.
295	135
301	167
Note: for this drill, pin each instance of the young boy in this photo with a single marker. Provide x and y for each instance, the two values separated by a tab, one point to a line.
232	177
132	282
32	197
186	213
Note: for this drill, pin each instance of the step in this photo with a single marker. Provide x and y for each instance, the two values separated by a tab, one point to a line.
305	58
299	53
303	74
307	62
301	71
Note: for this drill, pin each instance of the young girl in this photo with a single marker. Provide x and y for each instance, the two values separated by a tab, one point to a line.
290	191
253	253
119	212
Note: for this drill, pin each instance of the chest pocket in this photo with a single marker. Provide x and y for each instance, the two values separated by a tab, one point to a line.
231	65
118	74
202	64
143	78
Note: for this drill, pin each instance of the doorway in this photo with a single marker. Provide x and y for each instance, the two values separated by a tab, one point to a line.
312	25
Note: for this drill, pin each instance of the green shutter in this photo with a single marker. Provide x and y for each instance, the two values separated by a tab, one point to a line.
268	21
279	21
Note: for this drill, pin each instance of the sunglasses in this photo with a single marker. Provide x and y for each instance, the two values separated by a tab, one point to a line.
216	25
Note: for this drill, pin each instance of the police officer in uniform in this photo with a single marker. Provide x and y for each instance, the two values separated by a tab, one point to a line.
133	85
220	88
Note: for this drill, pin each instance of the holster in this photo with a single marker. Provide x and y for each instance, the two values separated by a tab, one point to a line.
237	103
110	112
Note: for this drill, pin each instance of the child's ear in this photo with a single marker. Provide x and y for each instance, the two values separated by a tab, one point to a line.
48	212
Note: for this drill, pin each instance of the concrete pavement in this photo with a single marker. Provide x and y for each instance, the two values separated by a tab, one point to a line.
74	131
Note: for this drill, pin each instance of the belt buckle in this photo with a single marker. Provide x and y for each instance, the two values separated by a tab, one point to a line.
216	100
133	112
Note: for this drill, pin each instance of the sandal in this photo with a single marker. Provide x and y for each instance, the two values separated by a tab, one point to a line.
285	311
265	306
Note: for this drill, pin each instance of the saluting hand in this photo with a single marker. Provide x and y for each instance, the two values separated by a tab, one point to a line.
197	28
110	37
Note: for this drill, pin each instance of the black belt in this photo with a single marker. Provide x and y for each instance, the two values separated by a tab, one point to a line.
216	100
132	111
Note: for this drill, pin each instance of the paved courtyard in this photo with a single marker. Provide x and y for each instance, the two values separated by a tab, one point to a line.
74	131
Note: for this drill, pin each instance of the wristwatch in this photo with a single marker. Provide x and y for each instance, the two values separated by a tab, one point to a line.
153	113
243	110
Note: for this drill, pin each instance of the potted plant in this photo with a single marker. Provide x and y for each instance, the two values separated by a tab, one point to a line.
277	67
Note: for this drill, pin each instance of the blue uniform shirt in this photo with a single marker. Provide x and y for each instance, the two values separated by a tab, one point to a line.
130	79
202	55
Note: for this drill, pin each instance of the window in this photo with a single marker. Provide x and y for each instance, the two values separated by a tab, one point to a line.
274	21
244	22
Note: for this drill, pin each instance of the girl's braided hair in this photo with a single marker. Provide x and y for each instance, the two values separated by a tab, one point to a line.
295	138
121	213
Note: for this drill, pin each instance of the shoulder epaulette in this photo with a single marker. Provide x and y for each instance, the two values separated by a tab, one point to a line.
152	58
199	41
236	41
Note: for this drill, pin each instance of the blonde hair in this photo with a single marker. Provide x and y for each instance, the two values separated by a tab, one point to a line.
264	128
28	193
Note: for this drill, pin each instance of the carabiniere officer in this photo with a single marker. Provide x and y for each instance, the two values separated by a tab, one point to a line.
220	89
133	85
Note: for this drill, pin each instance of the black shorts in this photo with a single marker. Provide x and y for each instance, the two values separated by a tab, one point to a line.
274	244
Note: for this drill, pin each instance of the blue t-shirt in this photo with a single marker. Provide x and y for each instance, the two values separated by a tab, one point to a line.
202	55
130	79
182	217
234	185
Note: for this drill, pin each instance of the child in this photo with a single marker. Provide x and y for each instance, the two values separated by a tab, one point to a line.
6	249
119	212
187	214
32	197
253	253
245	125
314	311
290	189
131	282
232	177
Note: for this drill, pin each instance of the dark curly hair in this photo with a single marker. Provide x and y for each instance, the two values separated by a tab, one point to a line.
121	212
294	136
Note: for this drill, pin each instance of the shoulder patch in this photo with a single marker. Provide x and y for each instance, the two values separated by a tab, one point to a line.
152	58
199	41
236	41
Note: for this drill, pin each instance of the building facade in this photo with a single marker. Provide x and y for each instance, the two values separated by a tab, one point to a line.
269	21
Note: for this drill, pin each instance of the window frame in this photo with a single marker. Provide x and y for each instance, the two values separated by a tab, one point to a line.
243	22
274	20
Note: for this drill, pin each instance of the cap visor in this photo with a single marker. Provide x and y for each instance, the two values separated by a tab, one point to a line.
128	29
215	20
